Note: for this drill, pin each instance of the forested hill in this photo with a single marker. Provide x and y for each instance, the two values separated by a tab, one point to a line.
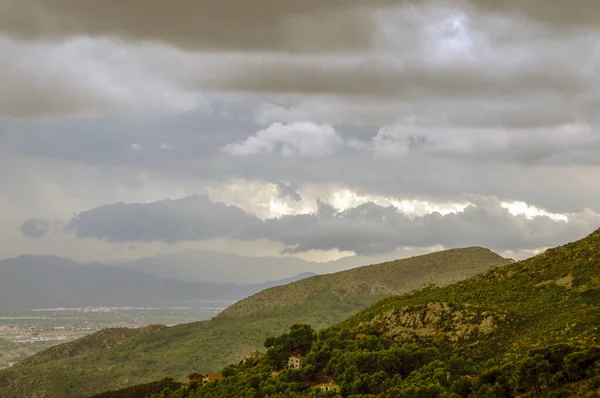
529	329
75	369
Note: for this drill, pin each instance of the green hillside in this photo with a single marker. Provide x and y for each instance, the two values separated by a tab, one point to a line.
113	359
529	329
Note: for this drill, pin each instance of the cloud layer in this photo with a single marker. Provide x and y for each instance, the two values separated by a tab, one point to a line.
448	101
396	52
266	24
367	229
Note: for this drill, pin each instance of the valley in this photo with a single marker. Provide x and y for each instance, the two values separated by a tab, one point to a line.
26	332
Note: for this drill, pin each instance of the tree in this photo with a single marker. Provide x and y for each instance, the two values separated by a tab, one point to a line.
269	342
229	371
301	337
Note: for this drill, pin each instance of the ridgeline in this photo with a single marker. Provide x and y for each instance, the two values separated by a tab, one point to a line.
529	329
117	358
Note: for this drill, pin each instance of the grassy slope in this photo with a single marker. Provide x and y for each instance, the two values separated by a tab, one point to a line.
146	355
551	298
377	281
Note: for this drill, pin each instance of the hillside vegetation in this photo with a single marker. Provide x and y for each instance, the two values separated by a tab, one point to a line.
374	281
146	355
529	329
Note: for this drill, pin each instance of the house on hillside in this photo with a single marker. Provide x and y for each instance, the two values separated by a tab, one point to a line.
295	361
193	377
330	386
209	378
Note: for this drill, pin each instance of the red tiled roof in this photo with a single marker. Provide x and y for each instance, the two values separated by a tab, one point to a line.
214	376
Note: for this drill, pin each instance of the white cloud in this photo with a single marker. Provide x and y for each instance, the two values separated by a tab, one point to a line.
303	139
529	211
345	199
264	201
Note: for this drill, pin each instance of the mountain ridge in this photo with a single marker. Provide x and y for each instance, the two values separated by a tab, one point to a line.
207	345
528	329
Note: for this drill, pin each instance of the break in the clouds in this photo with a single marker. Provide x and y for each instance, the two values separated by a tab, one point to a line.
366	229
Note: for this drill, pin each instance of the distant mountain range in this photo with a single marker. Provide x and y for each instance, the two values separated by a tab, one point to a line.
211	266
187	278
48	282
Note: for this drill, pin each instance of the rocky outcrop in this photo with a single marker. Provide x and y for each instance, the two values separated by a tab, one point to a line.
437	321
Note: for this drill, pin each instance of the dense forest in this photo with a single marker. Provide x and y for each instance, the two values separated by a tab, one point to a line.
369	365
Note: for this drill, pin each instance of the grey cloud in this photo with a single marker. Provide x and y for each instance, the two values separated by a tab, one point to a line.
393	81
104	140
481	62
50	79
367	229
556	12
35	228
530	146
517	113
205	24
264	24
558	184
192	218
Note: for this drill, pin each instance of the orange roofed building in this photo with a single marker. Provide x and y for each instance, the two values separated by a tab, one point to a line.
209	378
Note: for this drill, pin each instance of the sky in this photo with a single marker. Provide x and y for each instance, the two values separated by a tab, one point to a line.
315	129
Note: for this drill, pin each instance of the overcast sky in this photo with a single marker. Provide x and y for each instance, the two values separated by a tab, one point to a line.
310	128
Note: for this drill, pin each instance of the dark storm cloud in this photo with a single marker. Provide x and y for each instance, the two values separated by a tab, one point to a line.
234	25
170	221
367	229
35	228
